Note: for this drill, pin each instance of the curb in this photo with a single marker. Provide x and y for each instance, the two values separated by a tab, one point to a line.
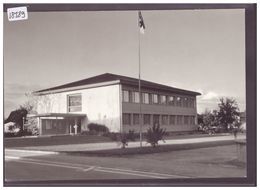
31	151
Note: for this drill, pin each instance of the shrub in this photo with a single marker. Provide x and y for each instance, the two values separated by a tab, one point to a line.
131	136
124	140
113	136
155	134
95	129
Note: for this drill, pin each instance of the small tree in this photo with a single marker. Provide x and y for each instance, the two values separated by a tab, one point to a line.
155	134
17	117
126	137
228	112
207	118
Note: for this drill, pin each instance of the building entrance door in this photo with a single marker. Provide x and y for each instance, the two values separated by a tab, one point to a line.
75	126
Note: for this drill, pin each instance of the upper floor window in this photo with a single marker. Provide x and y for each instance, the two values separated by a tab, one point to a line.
178	101
126	96
185	102
163	99
145	98
136	97
171	100
155	98
192	103
74	103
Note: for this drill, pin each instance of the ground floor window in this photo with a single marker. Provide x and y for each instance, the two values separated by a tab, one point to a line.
172	119
186	120
147	119
164	119
126	118
192	120
179	120
156	119
136	119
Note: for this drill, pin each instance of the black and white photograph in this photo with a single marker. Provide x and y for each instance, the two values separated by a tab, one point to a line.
128	94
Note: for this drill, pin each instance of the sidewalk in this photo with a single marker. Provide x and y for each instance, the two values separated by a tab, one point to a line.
116	145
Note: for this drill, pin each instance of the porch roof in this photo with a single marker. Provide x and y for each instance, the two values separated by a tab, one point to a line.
59	115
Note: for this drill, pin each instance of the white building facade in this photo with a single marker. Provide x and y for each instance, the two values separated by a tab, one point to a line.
114	101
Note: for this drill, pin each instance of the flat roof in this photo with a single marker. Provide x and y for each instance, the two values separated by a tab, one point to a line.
58	115
108	77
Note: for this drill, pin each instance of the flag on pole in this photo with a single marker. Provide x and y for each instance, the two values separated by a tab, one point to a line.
141	22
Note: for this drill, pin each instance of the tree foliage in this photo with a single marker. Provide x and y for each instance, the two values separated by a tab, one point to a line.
155	134
228	112
17	116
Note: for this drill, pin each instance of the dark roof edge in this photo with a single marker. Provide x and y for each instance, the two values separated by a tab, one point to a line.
108	77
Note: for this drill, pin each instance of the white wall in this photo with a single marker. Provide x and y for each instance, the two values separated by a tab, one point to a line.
100	104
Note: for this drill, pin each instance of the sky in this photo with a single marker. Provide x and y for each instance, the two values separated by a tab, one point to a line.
198	50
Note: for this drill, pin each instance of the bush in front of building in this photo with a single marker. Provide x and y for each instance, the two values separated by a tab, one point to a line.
97	129
122	138
113	136
126	137
155	134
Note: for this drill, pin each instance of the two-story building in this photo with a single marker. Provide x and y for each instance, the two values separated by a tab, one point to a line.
114	101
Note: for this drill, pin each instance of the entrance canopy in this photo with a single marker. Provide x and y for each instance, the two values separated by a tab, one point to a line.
59	123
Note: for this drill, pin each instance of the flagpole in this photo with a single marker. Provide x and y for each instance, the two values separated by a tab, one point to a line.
139	83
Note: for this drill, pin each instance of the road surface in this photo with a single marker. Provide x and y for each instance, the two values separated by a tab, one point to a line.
21	165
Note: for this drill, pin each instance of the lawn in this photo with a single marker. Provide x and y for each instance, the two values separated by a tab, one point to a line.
54	140
119	152
78	139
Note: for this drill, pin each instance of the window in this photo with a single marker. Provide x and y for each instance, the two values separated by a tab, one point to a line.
185	102
74	103
164	119
172	119
178	101
163	99
135	119
126	97
145	98
192	120
192	102
147	119
186	120
155	98
136	97
156	119
126	118
179	120
171	100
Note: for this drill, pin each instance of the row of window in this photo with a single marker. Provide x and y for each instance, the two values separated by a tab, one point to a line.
151	98
148	119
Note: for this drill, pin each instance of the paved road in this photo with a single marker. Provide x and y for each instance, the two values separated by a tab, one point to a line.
36	165
21	165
